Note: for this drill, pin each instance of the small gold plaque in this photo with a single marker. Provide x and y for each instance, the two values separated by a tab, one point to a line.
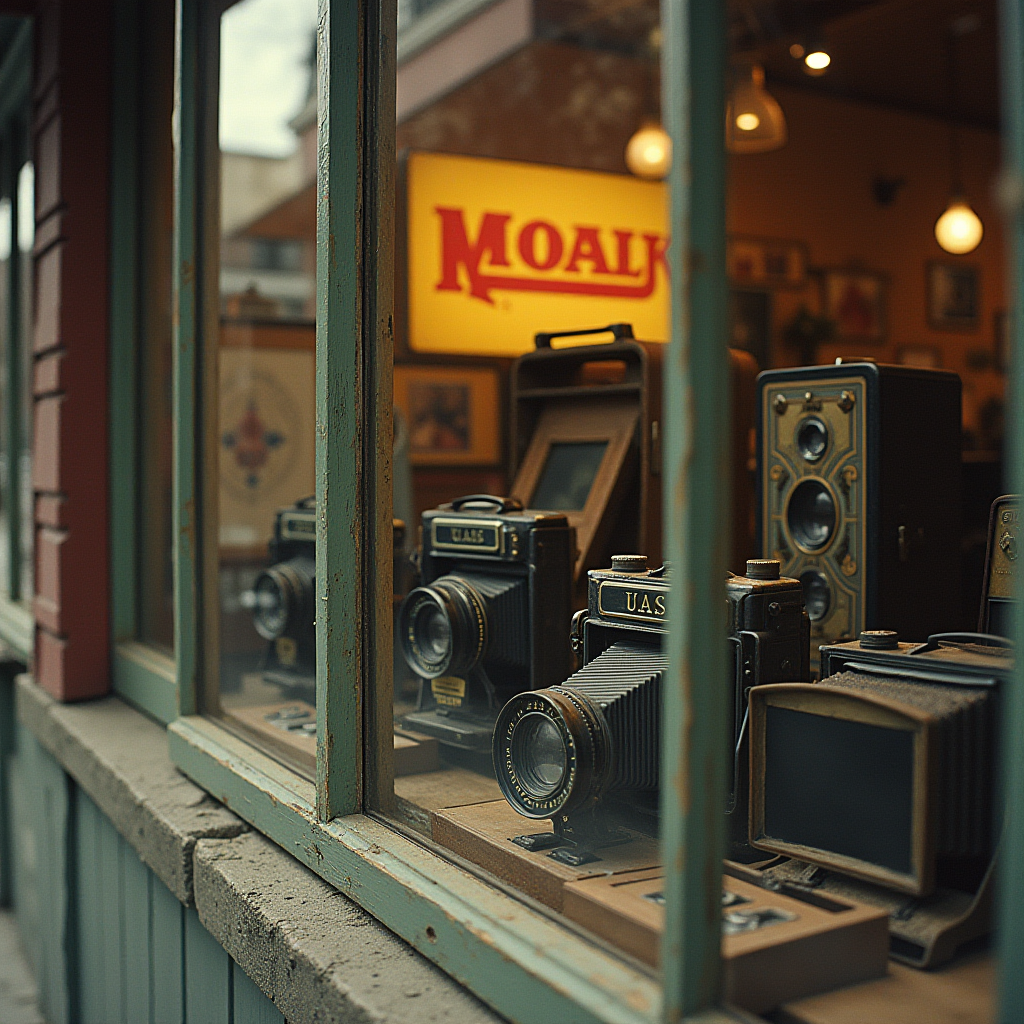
448	690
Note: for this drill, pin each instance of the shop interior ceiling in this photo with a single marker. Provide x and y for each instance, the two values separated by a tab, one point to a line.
891	52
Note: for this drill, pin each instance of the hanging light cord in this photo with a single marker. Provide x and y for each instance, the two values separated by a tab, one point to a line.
955	166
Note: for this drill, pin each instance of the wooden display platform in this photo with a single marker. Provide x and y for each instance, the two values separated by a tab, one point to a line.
801	948
284	728
483	834
963	992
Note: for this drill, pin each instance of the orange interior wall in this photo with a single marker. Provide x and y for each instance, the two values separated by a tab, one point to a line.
817	190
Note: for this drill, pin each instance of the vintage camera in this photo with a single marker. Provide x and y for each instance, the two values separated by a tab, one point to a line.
884	777
592	744
491	615
998	600
859	494
283	600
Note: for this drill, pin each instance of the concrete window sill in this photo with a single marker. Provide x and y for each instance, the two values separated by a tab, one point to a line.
314	952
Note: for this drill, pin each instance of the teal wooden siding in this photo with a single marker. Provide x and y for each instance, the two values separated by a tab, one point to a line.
107	941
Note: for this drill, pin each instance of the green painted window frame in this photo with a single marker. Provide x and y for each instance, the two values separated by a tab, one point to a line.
17	622
526	965
143	675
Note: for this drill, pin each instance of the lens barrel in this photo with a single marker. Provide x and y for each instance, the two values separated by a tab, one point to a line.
284	601
443	628
552	752
811	515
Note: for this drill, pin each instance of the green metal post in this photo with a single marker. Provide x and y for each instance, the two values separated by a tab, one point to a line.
188	108
697	424
1011	866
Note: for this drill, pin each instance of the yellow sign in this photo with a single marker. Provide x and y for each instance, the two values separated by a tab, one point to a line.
500	250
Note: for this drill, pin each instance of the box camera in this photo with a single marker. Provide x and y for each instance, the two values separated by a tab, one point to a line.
283	600
592	744
491	615
586	440
886	772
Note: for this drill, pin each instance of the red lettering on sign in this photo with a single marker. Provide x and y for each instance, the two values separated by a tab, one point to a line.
528	245
587	247
623	238
457	251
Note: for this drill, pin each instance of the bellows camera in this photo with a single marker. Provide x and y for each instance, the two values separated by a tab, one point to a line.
859	494
558	753
885	771
283	599
491	616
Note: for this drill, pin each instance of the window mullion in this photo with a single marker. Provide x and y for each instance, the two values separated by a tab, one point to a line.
697	415
1011	867
12	368
185	273
343	597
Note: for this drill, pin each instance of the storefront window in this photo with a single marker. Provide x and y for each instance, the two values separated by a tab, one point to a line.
264	410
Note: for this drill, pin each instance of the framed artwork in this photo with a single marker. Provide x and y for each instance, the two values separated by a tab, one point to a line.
766	263
927	356
1001	327
267	436
954	299
750	323
452	414
855	301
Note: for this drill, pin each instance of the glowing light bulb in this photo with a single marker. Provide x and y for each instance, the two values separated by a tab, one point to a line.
747	122
959	229
649	152
817	60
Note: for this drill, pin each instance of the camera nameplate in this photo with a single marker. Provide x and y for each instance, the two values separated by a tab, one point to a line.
481	536
298	526
646	603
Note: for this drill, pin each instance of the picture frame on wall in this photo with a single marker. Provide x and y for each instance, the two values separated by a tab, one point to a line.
1001	331
750	323
954	296
453	414
927	356
766	263
854	300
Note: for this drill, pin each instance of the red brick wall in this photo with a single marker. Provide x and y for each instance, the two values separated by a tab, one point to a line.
71	135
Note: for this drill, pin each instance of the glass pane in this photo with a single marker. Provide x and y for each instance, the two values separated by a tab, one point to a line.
265	402
520	216
155	581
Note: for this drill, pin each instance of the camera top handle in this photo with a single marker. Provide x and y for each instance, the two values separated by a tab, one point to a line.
619	332
487	501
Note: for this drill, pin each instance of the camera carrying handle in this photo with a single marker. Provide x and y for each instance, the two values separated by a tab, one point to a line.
619	332
487	501
981	639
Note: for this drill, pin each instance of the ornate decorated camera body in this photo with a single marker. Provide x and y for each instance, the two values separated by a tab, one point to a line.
283	599
570	752
491	615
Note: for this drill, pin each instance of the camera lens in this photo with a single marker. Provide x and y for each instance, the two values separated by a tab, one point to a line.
817	594
284	598
811	515
443	627
552	752
539	752
812	438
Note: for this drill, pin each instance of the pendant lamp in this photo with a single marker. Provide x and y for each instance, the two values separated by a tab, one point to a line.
754	122
649	151
959	229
